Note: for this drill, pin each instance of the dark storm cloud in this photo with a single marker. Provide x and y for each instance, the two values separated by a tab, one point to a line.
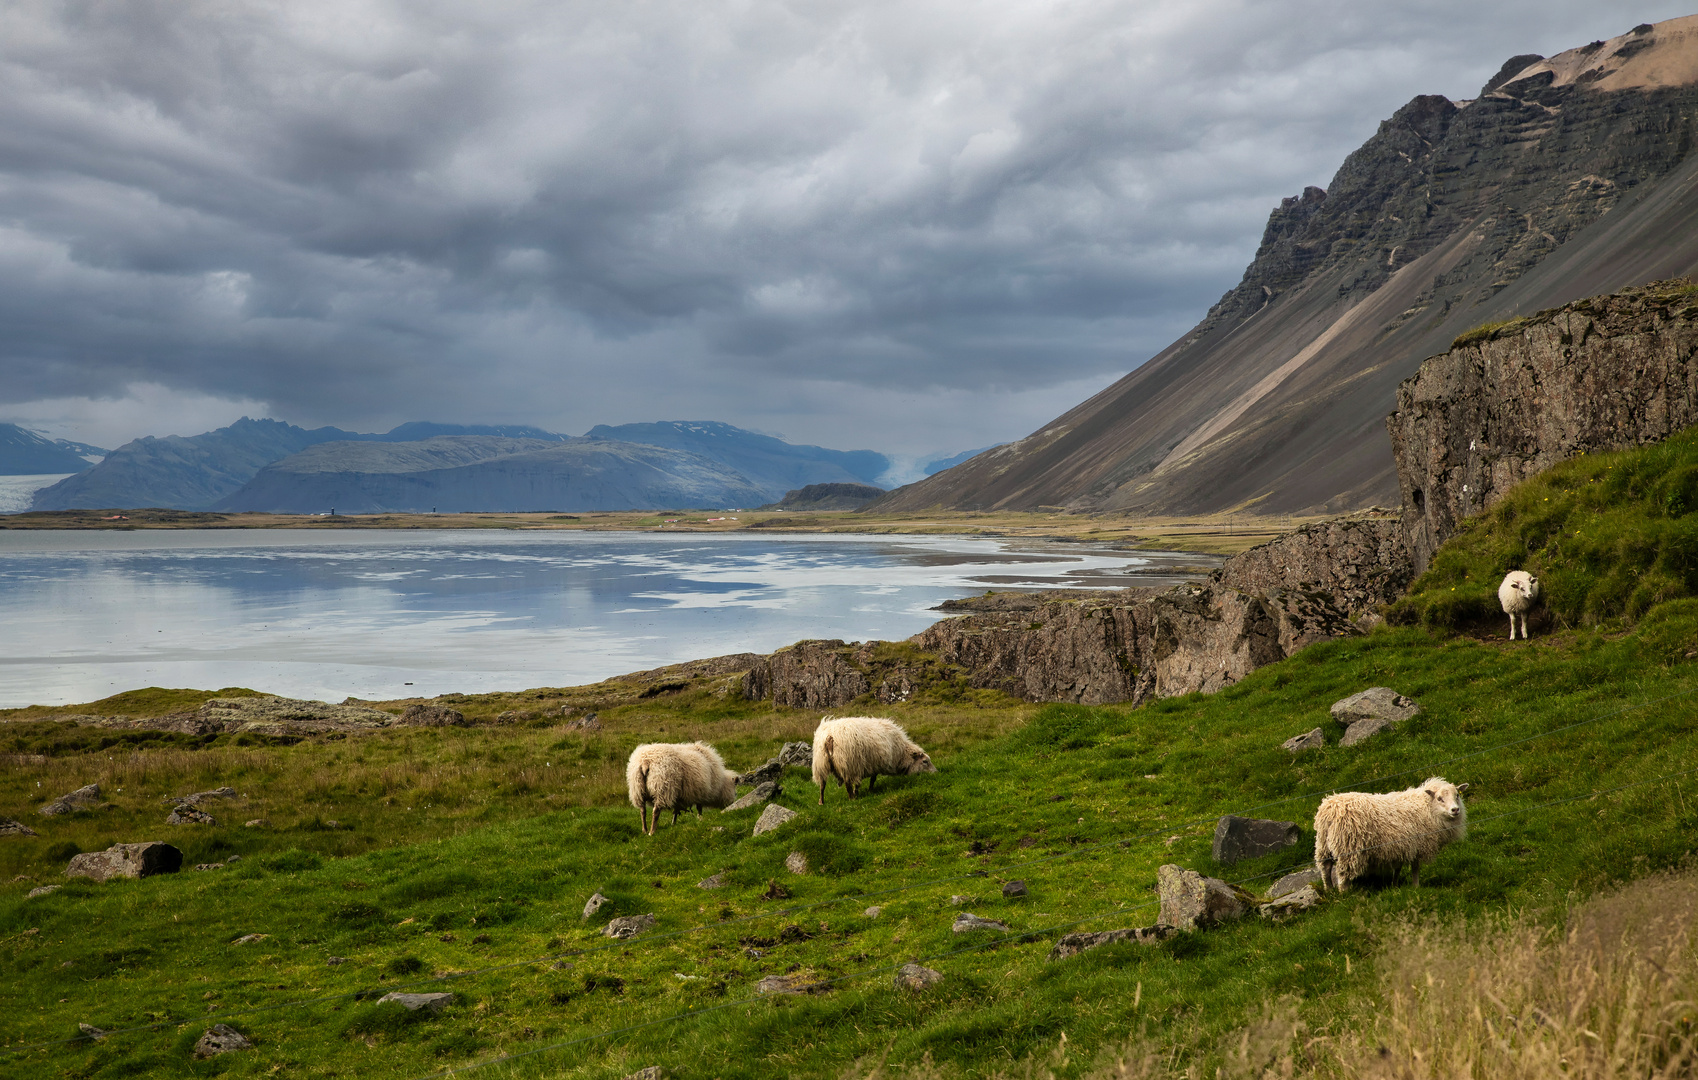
828	219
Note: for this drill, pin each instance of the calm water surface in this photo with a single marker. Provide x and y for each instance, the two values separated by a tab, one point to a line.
386	614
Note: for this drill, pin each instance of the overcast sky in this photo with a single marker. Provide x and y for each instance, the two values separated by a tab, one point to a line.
915	227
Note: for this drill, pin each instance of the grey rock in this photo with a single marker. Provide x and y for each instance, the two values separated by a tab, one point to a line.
1363	730
221	1039
209	866
127	861
198	797
81	799
653	1072
8	827
1190	901
629	926
796	862
256	823
1239	838
785	984
966	922
432	1003
42	890
915	977
717	881
334	960
432	716
1309	740
92	1032
1357	563
590	723
1297	900
873	912
250	939
772	817
764	792
1375	703
766	774
594	904
797	753
958	899
1015	888
1074	944
188	815
1295	881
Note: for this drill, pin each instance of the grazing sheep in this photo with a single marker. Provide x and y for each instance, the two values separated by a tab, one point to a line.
1518	593
676	776
853	748
1355	830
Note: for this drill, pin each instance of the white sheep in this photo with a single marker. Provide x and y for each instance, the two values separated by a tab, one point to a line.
856	748
1355	830
676	776
1518	593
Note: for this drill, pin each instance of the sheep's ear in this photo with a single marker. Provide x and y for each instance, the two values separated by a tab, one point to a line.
1462	789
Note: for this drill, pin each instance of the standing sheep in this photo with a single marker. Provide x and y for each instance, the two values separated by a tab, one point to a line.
676	776
1355	830
853	748
1518	593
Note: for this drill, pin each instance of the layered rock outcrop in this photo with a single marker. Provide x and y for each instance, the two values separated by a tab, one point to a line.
1357	562
1509	401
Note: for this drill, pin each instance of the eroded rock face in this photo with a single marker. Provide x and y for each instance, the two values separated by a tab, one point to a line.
1605	373
126	861
1358	563
807	675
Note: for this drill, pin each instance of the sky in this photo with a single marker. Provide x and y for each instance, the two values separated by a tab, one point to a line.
916	227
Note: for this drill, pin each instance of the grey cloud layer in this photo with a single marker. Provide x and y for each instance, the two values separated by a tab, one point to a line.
358	211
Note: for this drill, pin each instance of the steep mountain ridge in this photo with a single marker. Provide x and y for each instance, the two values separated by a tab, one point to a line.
1538	192
26	453
771	464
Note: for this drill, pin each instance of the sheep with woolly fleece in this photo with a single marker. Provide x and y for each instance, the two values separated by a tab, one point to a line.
1518	593
1355	830
856	748
675	777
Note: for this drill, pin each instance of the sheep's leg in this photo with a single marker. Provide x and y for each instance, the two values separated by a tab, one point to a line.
675	815
1415	873
643	812
870	781
822	791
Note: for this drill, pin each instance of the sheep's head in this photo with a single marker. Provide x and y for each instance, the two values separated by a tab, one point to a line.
1445	798
919	761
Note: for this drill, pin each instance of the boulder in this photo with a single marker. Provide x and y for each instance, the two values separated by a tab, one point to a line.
765	791
1363	730
966	922
188	815
1292	882
593	904
1309	740
8	827
127	861
1376	702
1014	888
1289	903
797	754
629	926
431	1003
1239	838
766	774
221	1039
915	977
1190	901
433	716
81	799
1073	944
796	862
772	817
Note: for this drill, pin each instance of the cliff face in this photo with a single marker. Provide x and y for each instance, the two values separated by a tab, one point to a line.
1567	177
1603	373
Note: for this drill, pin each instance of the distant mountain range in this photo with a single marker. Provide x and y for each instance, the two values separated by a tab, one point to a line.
269	465
27	453
1565	178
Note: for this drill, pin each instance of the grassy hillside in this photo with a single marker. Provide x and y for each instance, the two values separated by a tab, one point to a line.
468	854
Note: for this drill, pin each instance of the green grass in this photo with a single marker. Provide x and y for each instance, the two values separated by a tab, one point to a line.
472	850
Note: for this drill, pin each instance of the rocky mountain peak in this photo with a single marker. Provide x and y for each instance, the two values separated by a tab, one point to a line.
1648	56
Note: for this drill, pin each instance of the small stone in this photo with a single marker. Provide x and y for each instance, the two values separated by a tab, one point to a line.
564	965
188	815
717	881
629	926
915	977
332	823
432	1003
797	753
764	792
1293	882
221	1039
653	1072
796	862
873	912
334	960
967	922
1074	944
1190	901
1014	888
127	860
772	817
594	904
81	799
958	899
209	866
249	939
8	827
1240	838
92	1032
42	890
1309	740
232	859
783	984
1298	900
257	823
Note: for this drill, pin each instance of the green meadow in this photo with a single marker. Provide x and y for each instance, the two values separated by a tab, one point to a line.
460	859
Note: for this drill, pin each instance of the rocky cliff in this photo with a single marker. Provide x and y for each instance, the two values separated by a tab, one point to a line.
1356	563
1512	399
1565	178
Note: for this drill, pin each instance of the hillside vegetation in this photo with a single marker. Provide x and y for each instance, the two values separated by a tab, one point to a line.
460	859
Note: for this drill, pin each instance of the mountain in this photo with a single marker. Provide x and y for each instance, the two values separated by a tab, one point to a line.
772	465
827	497
937	465
188	473
470	473
415	430
1566	177
25	453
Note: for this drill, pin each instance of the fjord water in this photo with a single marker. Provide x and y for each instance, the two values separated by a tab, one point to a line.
387	614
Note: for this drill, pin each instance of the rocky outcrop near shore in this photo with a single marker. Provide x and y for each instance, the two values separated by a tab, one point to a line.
1358	563
1509	401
